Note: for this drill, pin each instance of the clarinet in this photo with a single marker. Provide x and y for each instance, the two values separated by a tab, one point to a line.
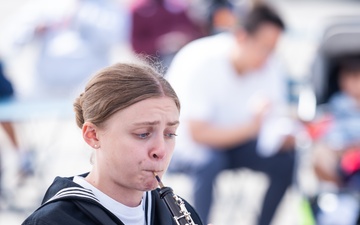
175	204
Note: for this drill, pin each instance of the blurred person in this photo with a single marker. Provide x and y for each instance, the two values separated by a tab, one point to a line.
234	109
132	133
6	92
337	152
73	40
336	145
159	28
221	17
24	155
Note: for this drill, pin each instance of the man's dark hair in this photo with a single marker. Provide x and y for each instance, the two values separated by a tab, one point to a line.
258	15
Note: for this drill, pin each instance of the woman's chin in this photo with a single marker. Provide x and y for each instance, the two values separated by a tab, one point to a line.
151	185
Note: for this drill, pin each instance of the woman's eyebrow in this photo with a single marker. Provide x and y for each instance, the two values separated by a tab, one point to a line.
173	123
152	123
148	123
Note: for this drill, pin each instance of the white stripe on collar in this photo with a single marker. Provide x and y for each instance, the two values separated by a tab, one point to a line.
74	192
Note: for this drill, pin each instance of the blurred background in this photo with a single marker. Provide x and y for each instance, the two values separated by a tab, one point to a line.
47	140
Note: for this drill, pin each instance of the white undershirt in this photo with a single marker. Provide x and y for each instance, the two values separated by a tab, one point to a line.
128	215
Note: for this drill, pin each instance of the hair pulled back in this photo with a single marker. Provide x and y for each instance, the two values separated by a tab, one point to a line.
117	87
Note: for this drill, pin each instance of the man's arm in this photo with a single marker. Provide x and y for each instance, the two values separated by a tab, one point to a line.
221	137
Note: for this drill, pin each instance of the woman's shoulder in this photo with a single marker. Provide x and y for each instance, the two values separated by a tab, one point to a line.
59	212
68	203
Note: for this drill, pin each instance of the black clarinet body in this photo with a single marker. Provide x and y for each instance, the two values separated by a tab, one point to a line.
175	205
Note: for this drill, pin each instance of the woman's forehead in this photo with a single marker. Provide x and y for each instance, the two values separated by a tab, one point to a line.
151	109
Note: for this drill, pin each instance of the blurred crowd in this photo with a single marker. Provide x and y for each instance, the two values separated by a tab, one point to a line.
222	58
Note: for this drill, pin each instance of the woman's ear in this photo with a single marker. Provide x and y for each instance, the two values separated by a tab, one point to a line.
90	135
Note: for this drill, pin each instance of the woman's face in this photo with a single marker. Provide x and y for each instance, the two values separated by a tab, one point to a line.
134	143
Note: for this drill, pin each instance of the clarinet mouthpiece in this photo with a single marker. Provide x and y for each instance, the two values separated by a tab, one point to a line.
161	185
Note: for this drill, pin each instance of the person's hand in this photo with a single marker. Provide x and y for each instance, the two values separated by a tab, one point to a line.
261	107
288	143
41	29
260	110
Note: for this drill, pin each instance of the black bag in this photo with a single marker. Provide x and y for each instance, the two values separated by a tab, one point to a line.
6	88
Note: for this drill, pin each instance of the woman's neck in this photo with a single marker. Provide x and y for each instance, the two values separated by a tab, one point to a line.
118	192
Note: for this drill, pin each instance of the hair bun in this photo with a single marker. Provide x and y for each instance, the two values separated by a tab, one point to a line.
79	111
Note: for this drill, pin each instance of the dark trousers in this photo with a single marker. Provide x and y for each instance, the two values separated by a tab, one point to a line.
279	168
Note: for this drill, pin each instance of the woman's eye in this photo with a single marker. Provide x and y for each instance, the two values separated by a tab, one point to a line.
170	135
143	135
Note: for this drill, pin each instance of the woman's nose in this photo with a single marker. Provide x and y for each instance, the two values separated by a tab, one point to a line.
158	150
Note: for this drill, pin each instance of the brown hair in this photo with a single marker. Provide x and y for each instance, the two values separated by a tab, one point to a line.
117	87
258	15
349	64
